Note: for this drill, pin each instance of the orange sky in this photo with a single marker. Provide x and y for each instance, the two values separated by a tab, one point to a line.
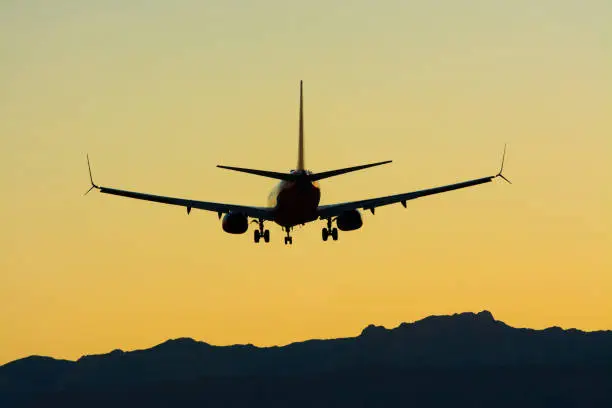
159	93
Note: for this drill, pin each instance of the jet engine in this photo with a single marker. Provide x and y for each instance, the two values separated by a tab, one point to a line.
235	223
349	220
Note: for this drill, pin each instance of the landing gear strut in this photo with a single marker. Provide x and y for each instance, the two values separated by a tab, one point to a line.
288	239
261	233
328	231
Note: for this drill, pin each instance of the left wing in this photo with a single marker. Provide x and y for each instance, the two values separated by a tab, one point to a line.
263	213
333	210
220	208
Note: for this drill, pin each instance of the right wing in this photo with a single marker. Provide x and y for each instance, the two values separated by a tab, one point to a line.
333	210
264	213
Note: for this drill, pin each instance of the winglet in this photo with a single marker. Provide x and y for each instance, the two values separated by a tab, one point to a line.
93	185
501	169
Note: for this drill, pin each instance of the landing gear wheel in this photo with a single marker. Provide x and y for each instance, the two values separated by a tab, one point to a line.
334	234
260	233
288	239
329	231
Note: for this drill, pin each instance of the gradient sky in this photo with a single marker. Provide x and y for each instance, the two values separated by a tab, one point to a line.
160	92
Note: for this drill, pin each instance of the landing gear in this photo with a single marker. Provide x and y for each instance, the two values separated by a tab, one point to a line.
329	231
288	239
261	233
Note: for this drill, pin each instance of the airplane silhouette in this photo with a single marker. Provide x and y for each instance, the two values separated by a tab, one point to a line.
295	200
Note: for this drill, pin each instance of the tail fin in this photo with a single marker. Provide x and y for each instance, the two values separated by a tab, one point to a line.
300	163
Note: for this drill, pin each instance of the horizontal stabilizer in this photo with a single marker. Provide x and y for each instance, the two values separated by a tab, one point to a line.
263	173
332	173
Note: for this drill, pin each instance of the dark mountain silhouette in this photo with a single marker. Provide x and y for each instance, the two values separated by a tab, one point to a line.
464	359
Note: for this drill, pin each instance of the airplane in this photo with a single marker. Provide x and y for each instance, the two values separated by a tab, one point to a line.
295	200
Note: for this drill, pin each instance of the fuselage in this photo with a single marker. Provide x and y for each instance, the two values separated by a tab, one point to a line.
295	202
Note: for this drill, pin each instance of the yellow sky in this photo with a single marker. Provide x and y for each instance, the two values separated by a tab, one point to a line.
160	92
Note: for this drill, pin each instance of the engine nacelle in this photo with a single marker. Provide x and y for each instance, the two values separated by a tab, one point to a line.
235	223
349	220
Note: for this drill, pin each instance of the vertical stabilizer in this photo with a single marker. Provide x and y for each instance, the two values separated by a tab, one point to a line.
300	164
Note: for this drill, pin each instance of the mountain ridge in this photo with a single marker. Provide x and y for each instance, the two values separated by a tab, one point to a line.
482	316
450	346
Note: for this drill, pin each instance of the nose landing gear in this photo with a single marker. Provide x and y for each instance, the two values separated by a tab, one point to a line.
328	231
261	233
288	238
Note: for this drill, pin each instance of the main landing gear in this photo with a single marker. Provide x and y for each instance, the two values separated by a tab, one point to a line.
328	231
288	239
261	233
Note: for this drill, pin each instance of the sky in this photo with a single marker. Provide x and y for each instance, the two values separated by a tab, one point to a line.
158	93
